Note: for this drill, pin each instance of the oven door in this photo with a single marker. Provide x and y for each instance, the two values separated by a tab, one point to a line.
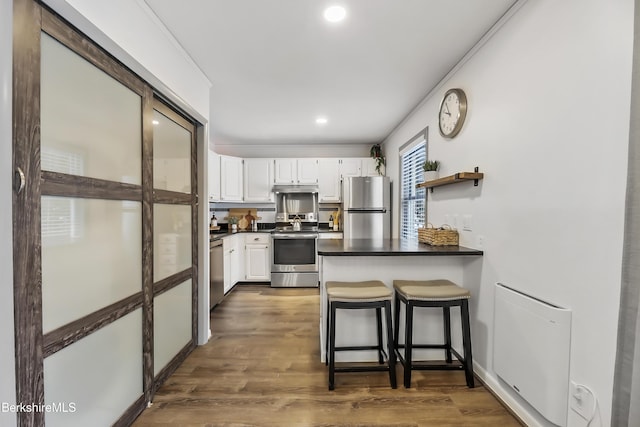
295	252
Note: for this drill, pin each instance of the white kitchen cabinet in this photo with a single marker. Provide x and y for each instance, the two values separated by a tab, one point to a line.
329	188
257	257
258	180
228	248
214	176
368	167
231	179
285	171
307	171
350	167
296	171
233	252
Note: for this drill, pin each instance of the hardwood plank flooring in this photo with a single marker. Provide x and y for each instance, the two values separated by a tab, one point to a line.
262	368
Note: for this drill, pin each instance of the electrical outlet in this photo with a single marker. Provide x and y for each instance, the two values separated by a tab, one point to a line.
456	220
582	400
480	242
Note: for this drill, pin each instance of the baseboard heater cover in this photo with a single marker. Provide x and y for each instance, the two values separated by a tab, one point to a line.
531	349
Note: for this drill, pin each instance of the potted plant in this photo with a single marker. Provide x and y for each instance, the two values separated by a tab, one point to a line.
376	154
430	168
233	221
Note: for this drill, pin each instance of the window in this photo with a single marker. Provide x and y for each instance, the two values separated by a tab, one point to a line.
412	200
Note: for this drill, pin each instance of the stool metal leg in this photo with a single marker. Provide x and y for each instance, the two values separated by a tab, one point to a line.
466	343
446	315
380	342
408	343
332	346
392	355
396	321
326	336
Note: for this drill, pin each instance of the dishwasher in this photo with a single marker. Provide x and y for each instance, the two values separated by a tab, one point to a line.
216	273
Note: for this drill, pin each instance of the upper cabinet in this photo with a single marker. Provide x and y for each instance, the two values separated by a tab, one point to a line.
369	167
333	171
258	180
350	167
231	179
329	188
214	176
285	170
296	171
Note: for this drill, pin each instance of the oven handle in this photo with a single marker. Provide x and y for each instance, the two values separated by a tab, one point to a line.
294	236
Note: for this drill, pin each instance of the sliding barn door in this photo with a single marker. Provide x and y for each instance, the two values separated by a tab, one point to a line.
105	228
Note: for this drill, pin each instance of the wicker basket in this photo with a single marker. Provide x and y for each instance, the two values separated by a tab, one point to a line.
443	236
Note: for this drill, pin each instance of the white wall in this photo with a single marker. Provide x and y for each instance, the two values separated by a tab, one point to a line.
7	353
548	123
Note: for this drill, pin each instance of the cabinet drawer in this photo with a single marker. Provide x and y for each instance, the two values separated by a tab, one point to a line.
255	238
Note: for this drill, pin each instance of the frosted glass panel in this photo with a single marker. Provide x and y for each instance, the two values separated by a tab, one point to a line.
91	256
171	155
171	324
91	123
99	376
171	239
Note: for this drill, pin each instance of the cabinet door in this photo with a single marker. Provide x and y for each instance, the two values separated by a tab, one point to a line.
231	178
350	167
237	268
285	171
307	171
214	176
257	262
369	167
329	180
258	180
227	271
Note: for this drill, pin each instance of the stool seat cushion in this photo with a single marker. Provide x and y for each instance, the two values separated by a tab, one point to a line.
431	290
371	290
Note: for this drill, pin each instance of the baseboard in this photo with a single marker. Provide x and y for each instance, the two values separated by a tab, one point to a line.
513	405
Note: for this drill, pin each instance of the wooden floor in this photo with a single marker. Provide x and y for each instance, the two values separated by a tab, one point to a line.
262	368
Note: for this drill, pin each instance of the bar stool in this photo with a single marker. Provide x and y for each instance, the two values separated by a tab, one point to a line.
371	294
433	293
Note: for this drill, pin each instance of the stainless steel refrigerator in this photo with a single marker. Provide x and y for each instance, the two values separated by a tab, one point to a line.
366	202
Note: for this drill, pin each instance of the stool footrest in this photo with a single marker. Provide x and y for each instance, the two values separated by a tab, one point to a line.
356	348
373	368
432	346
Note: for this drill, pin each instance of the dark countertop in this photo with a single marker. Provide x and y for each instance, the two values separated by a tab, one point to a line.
217	235
388	247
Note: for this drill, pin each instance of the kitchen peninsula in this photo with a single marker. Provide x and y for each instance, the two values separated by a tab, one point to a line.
388	260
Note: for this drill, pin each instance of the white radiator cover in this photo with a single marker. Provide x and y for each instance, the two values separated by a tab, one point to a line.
532	341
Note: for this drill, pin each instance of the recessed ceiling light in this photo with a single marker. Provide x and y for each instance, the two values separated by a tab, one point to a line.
321	121
155	122
335	13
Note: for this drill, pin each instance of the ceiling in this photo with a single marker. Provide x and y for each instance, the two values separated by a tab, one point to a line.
275	66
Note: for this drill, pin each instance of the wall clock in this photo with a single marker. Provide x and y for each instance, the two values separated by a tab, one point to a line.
453	110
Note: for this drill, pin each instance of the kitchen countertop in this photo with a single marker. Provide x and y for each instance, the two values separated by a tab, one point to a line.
389	247
224	233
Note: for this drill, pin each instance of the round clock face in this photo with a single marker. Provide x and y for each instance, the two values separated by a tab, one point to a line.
453	110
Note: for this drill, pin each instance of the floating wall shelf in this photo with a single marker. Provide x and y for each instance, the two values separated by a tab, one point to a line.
452	179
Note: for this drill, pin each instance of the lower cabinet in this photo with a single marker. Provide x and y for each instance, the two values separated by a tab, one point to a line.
257	257
233	249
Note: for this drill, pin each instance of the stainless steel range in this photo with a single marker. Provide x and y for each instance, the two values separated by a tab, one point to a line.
294	254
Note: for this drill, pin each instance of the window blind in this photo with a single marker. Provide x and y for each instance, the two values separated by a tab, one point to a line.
412	199
62	221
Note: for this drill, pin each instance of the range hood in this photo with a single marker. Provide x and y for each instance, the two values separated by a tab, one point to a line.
287	189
